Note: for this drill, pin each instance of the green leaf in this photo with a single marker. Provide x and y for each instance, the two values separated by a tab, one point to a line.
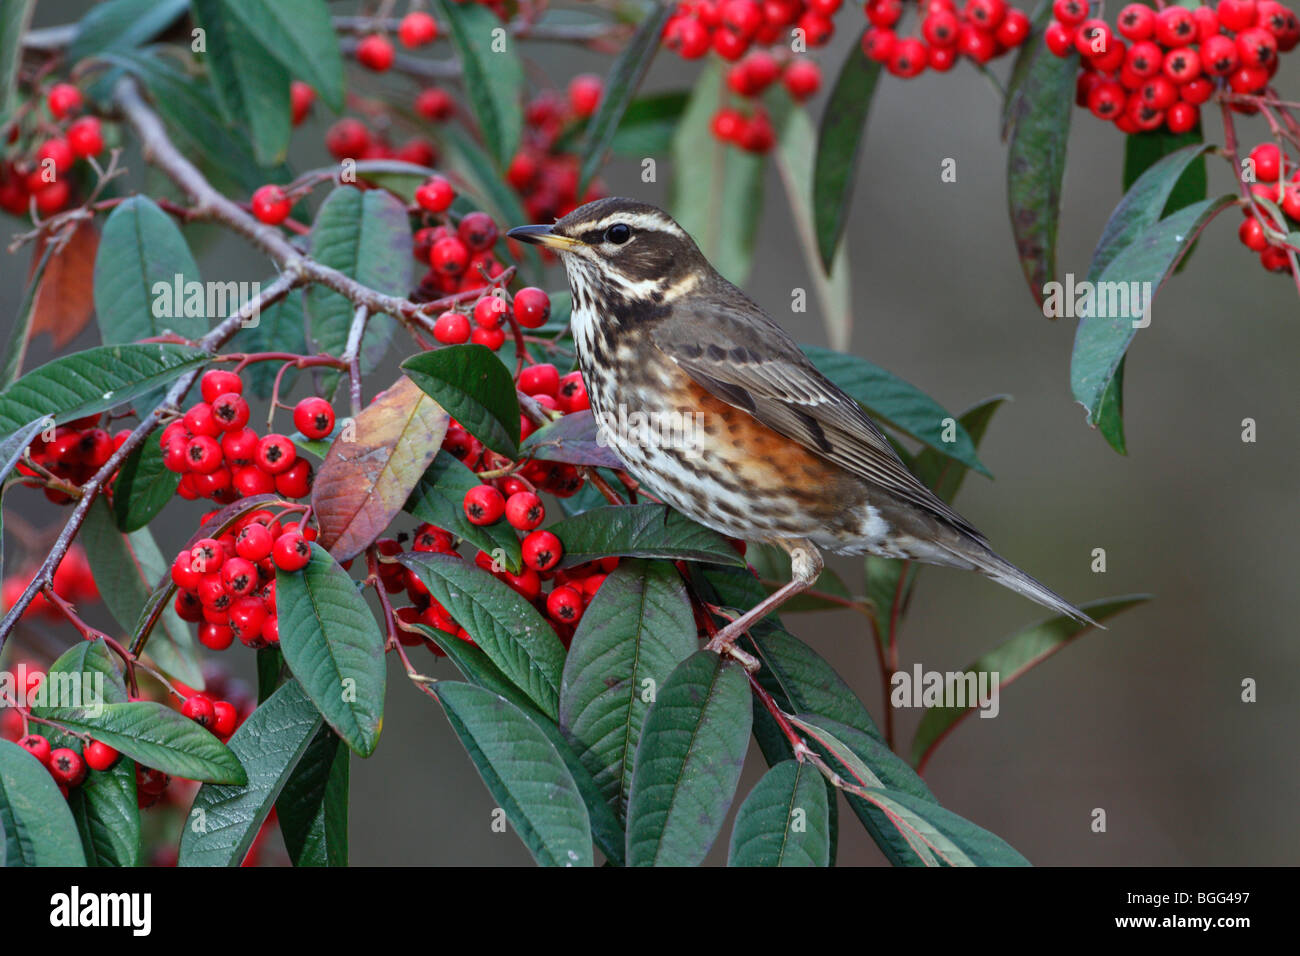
1146	199
625	76
1143	150
897	403
91	663
1009	660
300	34
523	772
479	670
839	141
648	124
15	17
155	736
1101	342
16	343
252	87
313	806
808	681
500	620
93	381
367	237
636	631
940	836
107	815
333	645
494	79
944	474
1036	115
641	531
784	821
142	248
439	498
125	568
794	161
470	382
716	192
224	820
35	821
1110	413
688	762
121	24
143	487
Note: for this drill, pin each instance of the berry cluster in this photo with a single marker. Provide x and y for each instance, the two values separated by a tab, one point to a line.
417	29
543	172
226	584
1164	64
459	254
41	177
1268	223
73	581
730	28
981	30
750	78
219	457
73	453
350	138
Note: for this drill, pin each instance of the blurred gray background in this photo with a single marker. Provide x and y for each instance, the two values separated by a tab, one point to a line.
1144	720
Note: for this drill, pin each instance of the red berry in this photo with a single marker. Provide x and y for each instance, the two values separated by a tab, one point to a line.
1106	100
67	767
1252	235
1219	55
1237	15
230	412
215	637
1175	27
1014	28
542	550
202	455
564	604
940	28
348	138
314	417
239	575
199	421
63	99
525	511
224	718
1058	37
375	53
985	14
572	395
1070	12
541	379
1136	21
238	445
1182	65
99	756
251	480
490	338
1197	91
449	256
435	104
1257	48
532	307
909	58
435	195
478	231
584	93
1291	200
878	44
296	482
270	205
417	28
215	383
1182	117
291	552
484	505
301	98
275	454
37	746
451	328
802	79
198	708
247	617
253	542
1092	38
1268	162
490	312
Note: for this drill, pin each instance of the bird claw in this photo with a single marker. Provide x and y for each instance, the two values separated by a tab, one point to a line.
725	645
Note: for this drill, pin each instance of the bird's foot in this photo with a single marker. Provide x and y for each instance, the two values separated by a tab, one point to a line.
724	643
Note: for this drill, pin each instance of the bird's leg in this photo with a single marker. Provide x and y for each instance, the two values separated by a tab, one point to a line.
805	567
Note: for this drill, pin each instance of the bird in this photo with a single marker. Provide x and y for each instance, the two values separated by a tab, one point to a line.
782	455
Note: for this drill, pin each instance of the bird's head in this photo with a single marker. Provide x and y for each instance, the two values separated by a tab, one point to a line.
619	250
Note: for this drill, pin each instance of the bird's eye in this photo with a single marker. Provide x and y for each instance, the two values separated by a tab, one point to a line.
618	233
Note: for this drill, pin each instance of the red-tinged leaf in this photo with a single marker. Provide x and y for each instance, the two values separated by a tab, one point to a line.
574	439
368	475
65	303
1015	656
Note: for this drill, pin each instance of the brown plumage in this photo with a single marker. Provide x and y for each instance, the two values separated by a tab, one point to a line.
782	455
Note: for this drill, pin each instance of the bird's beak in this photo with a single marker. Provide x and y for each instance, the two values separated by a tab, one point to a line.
542	236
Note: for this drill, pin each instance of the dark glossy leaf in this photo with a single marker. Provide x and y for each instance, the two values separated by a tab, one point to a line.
635	632
153	735
625	76
839	142
300	34
107	815
688	762
15	17
141	257
252	86
784	821
573	439
716	192
224	820
367	237
648	125
1101	342
143	487
494	76
371	469
941	837
470	382
1143	150
1036	114
640	531
313	806
500	620
35	823
523	772
121	24
897	403
1009	660
439	498
334	647
92	381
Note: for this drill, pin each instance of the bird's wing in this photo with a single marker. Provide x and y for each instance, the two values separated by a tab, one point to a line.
748	361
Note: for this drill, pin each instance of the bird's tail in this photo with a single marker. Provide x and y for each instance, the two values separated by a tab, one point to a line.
994	566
